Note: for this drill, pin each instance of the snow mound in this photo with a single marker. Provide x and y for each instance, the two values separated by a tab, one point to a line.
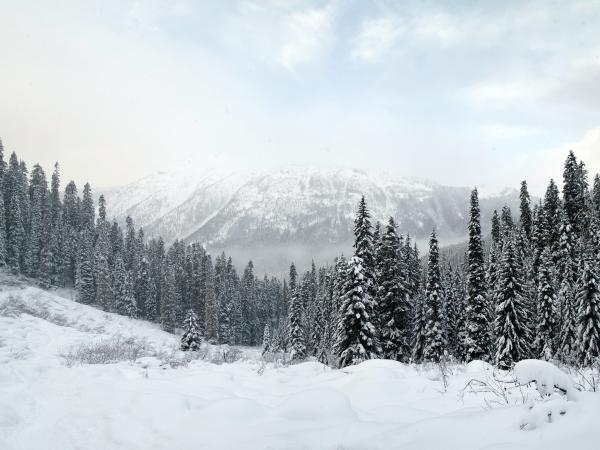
478	366
546	376
546	412
317	404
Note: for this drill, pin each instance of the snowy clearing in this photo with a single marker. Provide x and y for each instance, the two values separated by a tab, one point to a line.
144	402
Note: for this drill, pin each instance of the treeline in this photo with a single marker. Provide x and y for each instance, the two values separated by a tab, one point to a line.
62	239
533	294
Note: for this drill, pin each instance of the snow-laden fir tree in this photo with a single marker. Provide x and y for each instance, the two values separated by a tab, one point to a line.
478	325
363	246
419	324
191	339
588	317
38	221
596	196
454	310
266	340
123	298
393	305
104	293
573	193
434	340
526	219
168	297
513	338
2	231
15	227
546	309
296	333
566	349
211	314
496	228
227	303
248	305
552	219
84	282
356	335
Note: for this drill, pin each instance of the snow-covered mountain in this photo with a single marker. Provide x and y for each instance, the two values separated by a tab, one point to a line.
294	213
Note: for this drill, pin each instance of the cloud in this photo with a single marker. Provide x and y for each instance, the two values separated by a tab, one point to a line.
305	34
285	35
540	167
376	39
501	131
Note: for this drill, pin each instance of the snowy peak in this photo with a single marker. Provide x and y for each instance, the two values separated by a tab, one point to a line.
288	213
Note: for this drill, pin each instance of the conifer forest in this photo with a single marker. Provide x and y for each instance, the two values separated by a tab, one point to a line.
527	291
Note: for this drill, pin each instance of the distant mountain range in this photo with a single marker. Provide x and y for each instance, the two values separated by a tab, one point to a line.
294	213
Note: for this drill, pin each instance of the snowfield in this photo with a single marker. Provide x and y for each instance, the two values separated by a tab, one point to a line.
50	401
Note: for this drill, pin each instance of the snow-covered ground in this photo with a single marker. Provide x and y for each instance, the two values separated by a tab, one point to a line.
48	401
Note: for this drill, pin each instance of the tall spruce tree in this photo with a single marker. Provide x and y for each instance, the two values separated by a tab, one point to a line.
84	280
168	297
525	208
363	245
512	335
596	196
393	303
434	340
552	219
573	192
478	326
356	335
546	309
211	315
588	317
296	333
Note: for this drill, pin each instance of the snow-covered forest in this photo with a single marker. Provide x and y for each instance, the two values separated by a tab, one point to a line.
527	291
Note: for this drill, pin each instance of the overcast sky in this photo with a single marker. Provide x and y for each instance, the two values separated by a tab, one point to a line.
466	93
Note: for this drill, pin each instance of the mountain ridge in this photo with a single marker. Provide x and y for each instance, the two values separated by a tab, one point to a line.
290	213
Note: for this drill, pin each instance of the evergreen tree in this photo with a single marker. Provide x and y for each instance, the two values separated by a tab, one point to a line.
168	297
434	339
588	317
71	227
266	340
191	338
526	218
552	219
496	229
512	335
38	221
85	270
248	306
123	298
478	326
596	196
356	339
567	340
573	192
15	225
3	254
363	246
211	314
293	277
296	333
420	327
546	313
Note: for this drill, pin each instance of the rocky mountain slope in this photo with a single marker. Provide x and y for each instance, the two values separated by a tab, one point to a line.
294	213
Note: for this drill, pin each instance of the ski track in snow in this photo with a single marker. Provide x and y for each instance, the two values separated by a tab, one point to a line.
375	405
